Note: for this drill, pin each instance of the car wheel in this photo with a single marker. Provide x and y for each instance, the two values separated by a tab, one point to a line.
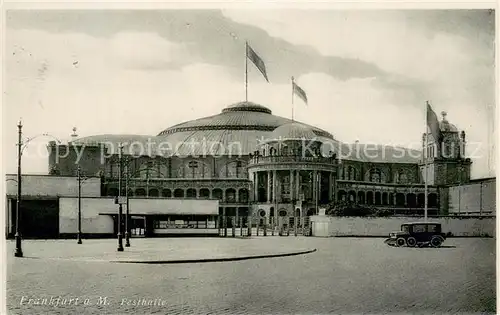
411	241
436	241
401	241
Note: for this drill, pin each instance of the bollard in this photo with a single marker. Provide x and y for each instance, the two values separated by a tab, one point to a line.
233	229
272	226
219	226
295	225
249	223
303	226
225	226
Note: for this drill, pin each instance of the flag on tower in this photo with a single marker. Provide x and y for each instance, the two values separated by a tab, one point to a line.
433	123
258	62
299	91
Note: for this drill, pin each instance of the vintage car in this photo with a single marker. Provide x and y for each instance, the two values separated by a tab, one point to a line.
417	234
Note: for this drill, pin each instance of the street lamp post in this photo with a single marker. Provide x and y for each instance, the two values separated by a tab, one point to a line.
127	234
19	251
79	178
20	147
120	206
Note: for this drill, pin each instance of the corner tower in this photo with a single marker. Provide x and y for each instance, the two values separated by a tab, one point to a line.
447	163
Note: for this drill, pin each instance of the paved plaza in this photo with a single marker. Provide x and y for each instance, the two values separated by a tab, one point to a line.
344	275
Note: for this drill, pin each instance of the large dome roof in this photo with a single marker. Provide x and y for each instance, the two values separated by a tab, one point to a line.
293	131
241	126
239	116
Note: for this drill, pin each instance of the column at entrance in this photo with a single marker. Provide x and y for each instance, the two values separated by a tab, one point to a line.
319	186
297	184
275	187
268	186
330	186
291	186
256	183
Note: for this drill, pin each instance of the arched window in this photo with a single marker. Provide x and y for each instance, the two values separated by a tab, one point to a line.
167	193
369	197
154	192
411	200
402	178
342	195
385	200
433	200
375	175
421	200
140	192
400	200
243	195
179	193
217	193
147	170
231	195
351	173
191	193
204	193
361	197
378	198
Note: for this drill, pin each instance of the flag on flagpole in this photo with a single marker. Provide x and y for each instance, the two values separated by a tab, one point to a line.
433	123
299	91
258	62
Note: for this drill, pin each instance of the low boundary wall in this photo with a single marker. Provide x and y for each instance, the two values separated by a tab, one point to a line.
324	226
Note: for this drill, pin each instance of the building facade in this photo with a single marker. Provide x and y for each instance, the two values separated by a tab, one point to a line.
262	166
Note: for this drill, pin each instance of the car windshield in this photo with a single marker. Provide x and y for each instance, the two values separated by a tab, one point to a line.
405	228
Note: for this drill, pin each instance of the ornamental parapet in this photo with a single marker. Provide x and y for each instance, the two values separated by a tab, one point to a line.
291	159
390	187
172	183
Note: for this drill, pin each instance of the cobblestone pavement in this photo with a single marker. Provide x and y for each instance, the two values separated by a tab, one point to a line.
345	275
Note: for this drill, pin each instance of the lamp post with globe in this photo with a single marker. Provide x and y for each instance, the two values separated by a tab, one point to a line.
21	145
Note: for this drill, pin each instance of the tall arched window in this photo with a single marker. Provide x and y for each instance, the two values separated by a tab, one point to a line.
233	169
351	173
375	175
402	178
194	169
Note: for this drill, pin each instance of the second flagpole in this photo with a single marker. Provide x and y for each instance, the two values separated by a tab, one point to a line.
425	155
292	96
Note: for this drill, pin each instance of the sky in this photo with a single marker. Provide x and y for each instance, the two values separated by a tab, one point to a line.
367	73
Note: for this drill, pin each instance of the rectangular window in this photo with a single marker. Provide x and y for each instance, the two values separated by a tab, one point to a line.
433	228
419	228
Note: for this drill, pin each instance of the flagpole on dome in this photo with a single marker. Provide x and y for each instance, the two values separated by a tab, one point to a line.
246	71
293	92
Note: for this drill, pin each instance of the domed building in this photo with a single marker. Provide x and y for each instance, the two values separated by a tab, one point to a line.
265	168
